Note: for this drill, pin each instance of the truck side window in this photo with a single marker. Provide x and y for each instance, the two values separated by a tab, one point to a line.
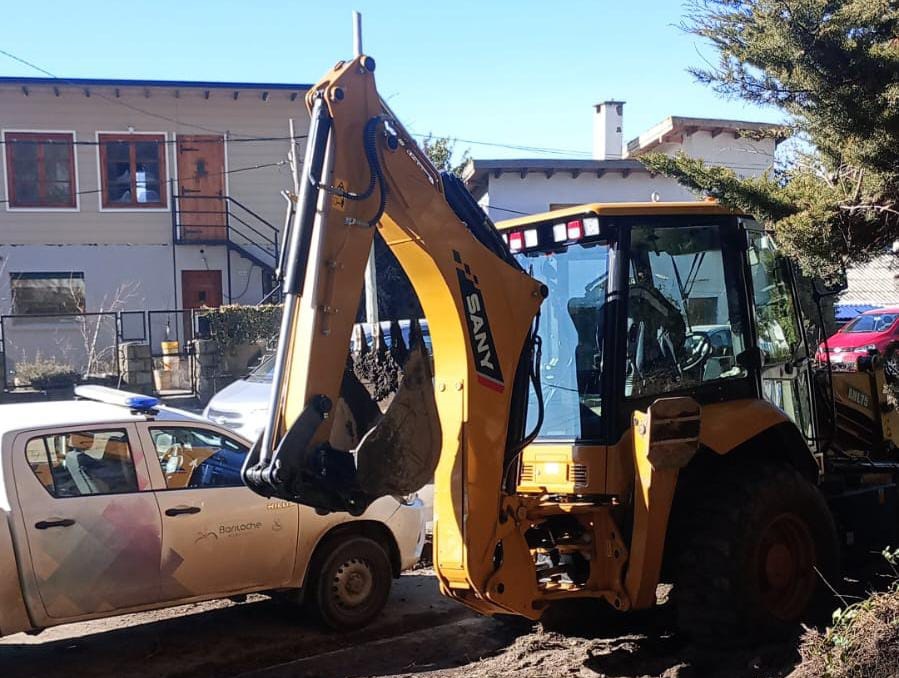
81	463
197	457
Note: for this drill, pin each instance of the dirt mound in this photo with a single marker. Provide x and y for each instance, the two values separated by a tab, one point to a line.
630	655
862	643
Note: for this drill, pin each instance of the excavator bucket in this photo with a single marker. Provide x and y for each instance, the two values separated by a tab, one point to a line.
400	454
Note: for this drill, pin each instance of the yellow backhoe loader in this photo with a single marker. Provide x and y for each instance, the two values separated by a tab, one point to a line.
620	392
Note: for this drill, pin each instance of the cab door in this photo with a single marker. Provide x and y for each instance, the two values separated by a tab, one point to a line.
218	537
786	370
91	525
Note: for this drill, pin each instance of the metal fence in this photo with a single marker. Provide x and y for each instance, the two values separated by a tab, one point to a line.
170	334
43	351
85	346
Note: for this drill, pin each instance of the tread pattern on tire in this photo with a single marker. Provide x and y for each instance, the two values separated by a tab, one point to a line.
723	508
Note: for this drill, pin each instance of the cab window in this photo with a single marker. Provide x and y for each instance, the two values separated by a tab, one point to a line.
778	324
683	324
81	463
572	327
197	457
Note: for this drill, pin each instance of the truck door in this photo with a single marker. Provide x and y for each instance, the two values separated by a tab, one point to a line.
218	536
93	533
785	366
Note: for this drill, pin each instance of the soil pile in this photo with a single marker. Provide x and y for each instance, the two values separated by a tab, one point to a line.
862	643
643	651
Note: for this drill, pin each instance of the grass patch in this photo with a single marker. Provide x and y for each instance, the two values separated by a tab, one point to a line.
863	640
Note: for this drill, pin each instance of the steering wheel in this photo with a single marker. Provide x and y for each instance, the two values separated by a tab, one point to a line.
700	352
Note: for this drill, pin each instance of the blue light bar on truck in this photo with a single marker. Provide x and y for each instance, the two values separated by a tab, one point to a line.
112	396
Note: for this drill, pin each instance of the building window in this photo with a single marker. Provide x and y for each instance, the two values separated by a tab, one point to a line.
47	293
132	169
40	169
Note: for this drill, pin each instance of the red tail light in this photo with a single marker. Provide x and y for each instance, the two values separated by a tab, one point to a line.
575	229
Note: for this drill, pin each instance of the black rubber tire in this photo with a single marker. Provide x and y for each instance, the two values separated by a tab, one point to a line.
750	540
342	564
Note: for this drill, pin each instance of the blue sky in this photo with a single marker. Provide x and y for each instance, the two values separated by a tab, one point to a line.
520	73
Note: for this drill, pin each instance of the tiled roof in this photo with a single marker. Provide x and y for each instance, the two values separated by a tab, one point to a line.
873	283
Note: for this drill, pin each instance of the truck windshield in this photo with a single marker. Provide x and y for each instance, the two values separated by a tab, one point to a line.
572	329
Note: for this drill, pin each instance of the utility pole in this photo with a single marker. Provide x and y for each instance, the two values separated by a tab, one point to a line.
371	271
292	159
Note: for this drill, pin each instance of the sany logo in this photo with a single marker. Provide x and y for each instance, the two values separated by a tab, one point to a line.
482	346
479	335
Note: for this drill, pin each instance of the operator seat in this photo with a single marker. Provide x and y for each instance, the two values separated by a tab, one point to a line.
587	315
656	339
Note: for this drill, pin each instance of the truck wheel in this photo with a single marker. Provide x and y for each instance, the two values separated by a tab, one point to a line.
752	546
350	583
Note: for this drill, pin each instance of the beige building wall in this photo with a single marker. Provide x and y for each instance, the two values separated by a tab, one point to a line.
131	248
72	110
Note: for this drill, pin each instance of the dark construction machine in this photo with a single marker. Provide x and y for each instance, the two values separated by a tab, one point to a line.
621	393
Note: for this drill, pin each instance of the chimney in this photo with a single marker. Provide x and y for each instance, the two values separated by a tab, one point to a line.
607	138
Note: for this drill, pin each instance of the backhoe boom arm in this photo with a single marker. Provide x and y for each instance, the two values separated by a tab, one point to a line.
362	172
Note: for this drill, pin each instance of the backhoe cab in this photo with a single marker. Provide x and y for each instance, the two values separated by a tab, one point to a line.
618	390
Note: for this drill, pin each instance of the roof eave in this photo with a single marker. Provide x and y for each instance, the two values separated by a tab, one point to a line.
185	84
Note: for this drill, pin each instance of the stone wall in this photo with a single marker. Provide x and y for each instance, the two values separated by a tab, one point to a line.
206	377
136	367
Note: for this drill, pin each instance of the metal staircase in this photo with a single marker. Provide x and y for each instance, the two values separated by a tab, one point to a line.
223	220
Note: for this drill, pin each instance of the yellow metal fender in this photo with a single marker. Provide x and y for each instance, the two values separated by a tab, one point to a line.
727	425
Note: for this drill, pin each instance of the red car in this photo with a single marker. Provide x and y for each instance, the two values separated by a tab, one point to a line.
872	330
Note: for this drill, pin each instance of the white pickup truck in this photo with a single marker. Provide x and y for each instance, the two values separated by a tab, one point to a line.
112	508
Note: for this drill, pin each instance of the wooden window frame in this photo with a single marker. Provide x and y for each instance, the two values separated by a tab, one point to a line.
41	139
132	139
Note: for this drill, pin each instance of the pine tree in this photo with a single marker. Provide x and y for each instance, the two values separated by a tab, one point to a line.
832	66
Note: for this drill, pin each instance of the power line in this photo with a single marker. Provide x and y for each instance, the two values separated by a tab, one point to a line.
280	163
506	209
125	138
516	147
119	102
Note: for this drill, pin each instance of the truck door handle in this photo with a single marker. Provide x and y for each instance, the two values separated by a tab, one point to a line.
179	510
59	522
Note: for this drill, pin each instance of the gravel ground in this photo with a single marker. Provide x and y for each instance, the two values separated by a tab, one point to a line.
218	638
420	634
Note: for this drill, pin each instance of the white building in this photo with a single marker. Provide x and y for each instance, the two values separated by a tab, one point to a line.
614	174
